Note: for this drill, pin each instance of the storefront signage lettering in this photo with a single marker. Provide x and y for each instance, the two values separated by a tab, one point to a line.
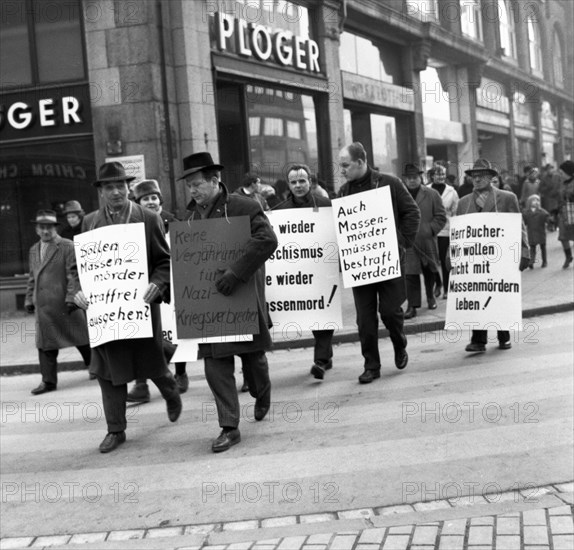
47	112
42	169
367	90
264	43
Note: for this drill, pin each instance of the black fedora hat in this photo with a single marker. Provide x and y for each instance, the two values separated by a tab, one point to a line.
46	217
112	171
412	170
482	166
198	162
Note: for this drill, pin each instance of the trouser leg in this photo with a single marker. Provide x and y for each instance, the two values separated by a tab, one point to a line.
220	377
166	385
503	336
413	290
479	337
429	280
256	373
49	365
543	253
114	401
86	353
394	323
532	254
323	351
368	324
443	244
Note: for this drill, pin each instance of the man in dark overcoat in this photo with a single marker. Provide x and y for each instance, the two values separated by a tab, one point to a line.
52	284
485	197
386	296
210	199
118	362
423	257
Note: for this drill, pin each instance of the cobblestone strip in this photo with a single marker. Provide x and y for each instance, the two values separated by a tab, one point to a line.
550	529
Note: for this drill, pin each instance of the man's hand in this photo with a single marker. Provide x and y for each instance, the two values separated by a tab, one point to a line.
151	294
524	263
30	308
227	282
71	307
80	300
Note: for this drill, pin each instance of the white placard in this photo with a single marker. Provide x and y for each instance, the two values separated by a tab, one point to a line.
367	237
485	286
303	287
112	266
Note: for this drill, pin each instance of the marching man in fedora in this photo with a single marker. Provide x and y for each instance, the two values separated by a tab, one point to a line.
52	284
485	197
118	362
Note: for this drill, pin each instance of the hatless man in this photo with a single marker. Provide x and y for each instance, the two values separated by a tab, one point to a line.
118	362
210	199
52	284
385	296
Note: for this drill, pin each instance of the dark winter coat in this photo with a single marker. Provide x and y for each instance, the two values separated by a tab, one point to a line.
433	219
392	293
259	248
535	221
124	360
565	229
308	201
51	284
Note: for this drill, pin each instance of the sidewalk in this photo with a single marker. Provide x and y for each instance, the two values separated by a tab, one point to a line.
548	290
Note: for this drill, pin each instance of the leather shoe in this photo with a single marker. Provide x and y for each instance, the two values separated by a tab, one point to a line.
401	358
410	312
437	291
432	304
475	348
260	411
318	371
112	441
369	375
226	439
504	345
139	393
182	382
174	406
43	388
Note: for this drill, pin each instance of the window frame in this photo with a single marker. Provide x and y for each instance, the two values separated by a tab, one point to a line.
507	28
478	32
534	46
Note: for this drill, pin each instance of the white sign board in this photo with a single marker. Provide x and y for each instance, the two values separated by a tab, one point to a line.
303	287
485	286
367	237
134	165
112	266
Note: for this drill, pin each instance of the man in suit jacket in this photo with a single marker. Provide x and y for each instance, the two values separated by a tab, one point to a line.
118	362
52	284
487	198
210	199
385	296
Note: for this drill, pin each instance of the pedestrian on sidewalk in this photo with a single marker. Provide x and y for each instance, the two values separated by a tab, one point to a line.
210	199
119	362
74	215
301	196
385	297
52	284
487	198
423	257
148	194
566	211
535	218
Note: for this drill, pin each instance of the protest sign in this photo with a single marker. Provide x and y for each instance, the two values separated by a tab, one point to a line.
367	237
112	266
485	290
199	250
303	288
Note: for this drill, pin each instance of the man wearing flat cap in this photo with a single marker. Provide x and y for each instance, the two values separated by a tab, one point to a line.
52	284
210	199
118	362
485	197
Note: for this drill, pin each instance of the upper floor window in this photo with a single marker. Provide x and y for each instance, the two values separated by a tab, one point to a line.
507	29
470	18
425	10
534	44
40	42
557	60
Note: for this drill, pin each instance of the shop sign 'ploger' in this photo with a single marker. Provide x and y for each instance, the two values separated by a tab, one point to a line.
264	43
47	112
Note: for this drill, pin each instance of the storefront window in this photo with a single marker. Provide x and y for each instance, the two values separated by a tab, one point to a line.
436	101
384	134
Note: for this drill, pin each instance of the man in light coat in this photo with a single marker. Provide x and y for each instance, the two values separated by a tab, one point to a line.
52	284
118	362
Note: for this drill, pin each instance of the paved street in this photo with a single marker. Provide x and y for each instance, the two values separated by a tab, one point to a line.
450	426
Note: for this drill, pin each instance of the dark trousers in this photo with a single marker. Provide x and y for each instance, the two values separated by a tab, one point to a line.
443	244
366	300
219	373
114	399
414	286
323	353
48	359
481	336
168	352
533	253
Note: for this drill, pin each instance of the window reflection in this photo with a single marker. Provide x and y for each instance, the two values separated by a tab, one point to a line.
384	136
360	56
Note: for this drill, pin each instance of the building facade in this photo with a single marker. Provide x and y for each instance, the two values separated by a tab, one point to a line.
261	84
